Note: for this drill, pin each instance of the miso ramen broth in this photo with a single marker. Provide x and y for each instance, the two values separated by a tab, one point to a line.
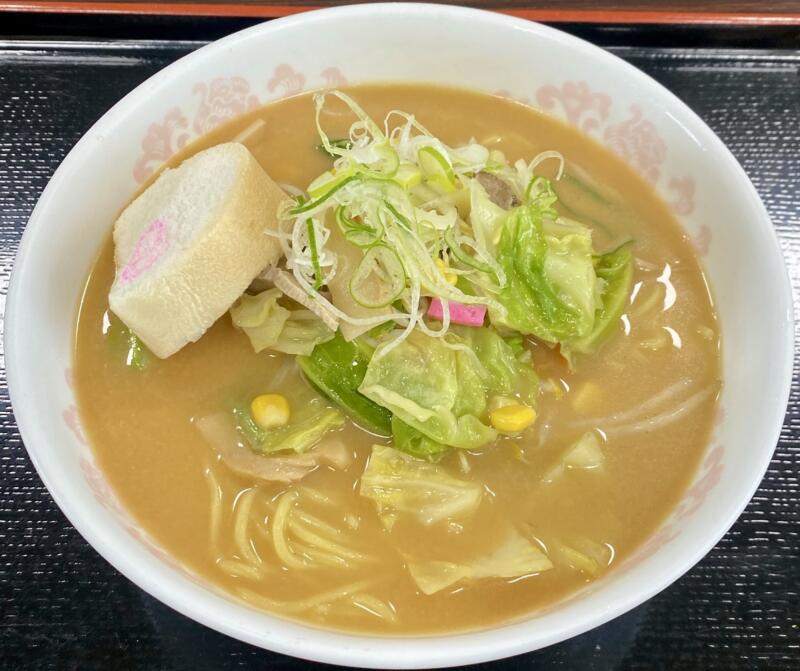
615	441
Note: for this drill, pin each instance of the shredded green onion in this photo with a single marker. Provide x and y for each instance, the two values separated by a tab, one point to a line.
340	143
461	255
437	170
312	243
403	196
401	219
379	279
303	208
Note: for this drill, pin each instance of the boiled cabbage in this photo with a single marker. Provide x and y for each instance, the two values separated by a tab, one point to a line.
615	269
516	556
551	286
442	389
399	484
269	325
485	217
407	439
309	424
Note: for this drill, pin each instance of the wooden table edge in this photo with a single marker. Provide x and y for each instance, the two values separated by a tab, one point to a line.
267	11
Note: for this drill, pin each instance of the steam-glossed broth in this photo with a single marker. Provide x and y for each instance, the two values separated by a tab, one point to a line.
663	359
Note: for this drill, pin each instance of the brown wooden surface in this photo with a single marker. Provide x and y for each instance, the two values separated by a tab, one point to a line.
585	11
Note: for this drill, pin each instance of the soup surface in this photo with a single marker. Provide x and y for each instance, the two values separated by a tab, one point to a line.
317	550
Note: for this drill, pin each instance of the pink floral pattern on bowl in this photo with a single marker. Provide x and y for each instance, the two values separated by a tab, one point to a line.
73	421
333	77
583	108
635	138
162	141
286	80
684	188
70	414
219	100
222	99
637	141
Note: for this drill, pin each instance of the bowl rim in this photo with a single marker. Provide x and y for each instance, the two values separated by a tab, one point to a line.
339	647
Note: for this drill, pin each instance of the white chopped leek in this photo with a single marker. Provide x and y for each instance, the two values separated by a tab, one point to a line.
379	279
403	197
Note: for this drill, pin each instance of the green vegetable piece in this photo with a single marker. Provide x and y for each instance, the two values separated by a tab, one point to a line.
585	187
337	185
615	268
399	484
408	176
337	369
582	555
552	288
338	143
357	233
247	427
436	169
301	436
125	346
585	453
269	325
407	439
443	391
312	242
465	257
308	427
508	370
515	557
433	389
389	161
485	216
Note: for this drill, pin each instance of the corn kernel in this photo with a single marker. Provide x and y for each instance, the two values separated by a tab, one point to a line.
270	410
512	418
450	278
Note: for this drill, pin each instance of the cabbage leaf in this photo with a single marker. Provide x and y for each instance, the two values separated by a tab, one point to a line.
407	439
400	484
485	217
585	453
551	288
269	325
310	422
442	389
516	556
615	270
504	364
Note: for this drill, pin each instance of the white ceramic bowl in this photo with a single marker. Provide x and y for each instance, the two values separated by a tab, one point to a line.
561	75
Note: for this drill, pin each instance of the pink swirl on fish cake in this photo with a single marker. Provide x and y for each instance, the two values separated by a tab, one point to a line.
150	247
